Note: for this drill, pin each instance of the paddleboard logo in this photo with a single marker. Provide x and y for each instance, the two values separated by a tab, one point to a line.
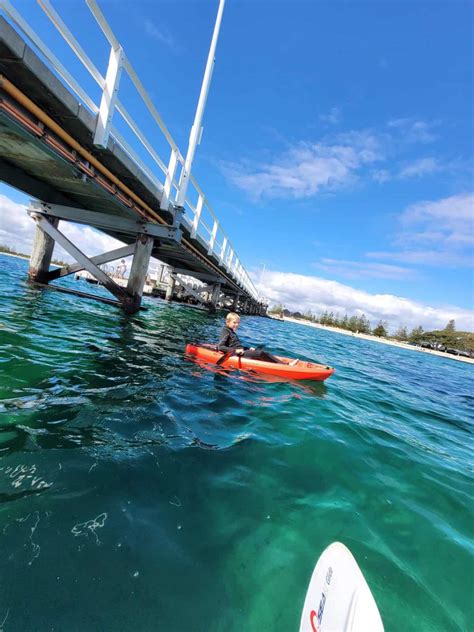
318	616
329	575
312	616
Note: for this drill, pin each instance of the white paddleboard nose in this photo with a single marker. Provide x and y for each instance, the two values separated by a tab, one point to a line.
338	597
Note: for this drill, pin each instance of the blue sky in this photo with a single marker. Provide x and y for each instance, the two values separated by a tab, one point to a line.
338	138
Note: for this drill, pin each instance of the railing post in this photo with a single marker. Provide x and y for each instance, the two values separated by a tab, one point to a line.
170	173
109	97
224	246
229	260
197	215
212	241
195	135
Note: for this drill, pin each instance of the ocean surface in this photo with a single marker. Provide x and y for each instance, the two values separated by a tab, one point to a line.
142	491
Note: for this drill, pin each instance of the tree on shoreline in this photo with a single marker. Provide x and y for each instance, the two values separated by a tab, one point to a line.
416	334
276	309
447	339
401	333
381	330
11	251
450	327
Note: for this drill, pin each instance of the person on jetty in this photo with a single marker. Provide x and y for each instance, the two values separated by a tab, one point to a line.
229	341
121	269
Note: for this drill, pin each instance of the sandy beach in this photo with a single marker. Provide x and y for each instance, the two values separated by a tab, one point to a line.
10	254
385	341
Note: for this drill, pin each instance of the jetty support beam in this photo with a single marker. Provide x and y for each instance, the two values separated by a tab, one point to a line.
235	304
216	291
143	232
43	246
140	263
201	276
201	294
106	222
56	235
170	288
112	255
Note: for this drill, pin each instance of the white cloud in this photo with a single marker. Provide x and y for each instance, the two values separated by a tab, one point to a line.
334	116
453	215
430	257
307	168
415	169
420	167
160	34
16	227
301	292
381	175
90	241
413	131
365	270
435	233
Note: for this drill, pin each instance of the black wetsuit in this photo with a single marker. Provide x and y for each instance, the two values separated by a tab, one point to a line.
229	340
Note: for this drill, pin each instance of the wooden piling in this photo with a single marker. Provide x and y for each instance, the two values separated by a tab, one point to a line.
170	288
141	260
236	302
215	295
40	259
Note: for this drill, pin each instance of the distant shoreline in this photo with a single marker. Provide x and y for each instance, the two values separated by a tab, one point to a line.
385	341
10	254
25	258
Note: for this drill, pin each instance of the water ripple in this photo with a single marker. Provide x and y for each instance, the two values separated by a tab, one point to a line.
132	475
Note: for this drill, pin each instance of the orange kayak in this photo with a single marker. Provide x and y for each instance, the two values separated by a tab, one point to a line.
300	371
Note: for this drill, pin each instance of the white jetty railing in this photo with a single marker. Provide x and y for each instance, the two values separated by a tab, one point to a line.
200	218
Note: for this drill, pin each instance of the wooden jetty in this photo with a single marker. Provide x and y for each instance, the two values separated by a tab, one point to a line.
61	148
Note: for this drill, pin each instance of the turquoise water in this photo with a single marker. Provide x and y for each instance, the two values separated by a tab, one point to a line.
141	491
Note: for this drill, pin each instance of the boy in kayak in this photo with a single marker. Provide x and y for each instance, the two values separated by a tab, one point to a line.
229	341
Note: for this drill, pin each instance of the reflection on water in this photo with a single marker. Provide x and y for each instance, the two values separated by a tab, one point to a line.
317	389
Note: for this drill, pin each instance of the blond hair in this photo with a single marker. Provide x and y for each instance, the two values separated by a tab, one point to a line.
232	316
